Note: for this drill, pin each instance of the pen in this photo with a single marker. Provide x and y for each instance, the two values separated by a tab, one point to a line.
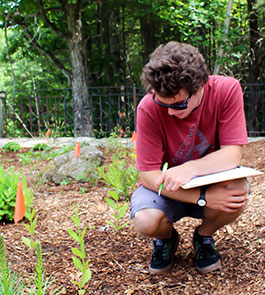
164	169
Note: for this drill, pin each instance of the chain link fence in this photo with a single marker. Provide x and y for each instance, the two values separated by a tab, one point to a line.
33	112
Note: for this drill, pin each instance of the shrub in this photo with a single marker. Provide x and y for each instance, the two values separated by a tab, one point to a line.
41	147
8	188
11	147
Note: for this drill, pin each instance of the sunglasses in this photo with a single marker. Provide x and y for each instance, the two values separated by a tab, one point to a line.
176	106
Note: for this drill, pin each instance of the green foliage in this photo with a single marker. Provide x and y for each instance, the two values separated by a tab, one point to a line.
40	285
11	147
8	188
48	153
41	147
119	210
119	176
10	282
79	254
31	229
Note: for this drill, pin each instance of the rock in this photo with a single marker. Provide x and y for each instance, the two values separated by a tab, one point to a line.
67	167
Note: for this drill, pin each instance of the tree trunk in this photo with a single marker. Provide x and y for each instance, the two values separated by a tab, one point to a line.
254	67
83	125
226	30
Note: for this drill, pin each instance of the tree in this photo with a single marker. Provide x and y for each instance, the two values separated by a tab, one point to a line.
64	19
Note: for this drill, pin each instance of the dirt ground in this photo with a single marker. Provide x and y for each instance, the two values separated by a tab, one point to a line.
119	261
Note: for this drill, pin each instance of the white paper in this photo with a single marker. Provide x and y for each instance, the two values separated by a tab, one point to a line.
235	173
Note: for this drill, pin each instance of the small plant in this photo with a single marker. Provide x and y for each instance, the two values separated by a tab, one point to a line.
119	210
79	257
11	147
10	282
65	181
31	228
41	147
8	188
39	285
89	178
119	176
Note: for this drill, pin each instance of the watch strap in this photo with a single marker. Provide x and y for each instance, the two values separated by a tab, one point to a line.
202	199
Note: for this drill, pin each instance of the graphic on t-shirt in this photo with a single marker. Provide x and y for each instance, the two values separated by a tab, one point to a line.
194	146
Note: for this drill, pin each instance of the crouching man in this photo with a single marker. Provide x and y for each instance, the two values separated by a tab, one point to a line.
195	122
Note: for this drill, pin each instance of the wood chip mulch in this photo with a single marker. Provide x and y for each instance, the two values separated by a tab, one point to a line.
119	261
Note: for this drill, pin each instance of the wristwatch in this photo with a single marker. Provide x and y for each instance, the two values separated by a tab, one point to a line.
201	201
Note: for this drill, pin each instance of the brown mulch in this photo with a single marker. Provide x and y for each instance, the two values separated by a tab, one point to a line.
119	261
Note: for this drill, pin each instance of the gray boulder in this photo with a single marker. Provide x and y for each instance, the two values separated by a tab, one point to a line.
67	167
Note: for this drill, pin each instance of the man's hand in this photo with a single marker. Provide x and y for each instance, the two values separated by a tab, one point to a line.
174	177
222	197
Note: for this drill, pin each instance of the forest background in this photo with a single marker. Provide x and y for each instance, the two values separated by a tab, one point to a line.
79	45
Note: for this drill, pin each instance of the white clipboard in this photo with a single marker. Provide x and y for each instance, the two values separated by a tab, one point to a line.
235	173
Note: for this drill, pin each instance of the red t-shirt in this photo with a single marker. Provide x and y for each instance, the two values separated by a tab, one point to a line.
219	120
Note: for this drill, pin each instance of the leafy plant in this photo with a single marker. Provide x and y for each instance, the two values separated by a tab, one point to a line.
119	210
87	177
39	285
79	257
10	282
31	228
41	147
11	147
119	176
45	154
8	188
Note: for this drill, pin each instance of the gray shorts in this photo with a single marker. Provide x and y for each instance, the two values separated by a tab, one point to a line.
144	198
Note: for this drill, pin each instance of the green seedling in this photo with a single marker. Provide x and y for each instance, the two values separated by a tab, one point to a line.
11	147
31	228
79	254
39	284
119	176
41	147
10	282
119	210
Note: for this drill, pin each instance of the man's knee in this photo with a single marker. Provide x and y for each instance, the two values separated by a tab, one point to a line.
148	221
240	183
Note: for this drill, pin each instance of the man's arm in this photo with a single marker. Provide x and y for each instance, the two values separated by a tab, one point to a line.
218	196
227	157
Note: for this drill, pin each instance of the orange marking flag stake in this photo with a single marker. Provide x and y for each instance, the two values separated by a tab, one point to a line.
77	149
133	138
48	133
20	208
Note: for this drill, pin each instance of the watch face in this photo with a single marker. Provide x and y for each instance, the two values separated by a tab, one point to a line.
201	202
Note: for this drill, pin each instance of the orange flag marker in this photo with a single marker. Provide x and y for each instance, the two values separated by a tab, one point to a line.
77	149
133	138
48	133
20	208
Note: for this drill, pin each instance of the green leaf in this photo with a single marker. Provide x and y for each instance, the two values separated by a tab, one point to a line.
123	210
111	203
77	252
121	226
27	242
111	223
74	235
115	195
77	283
85	277
77	263
83	233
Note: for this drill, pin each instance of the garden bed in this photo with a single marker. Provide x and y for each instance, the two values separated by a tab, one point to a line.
119	260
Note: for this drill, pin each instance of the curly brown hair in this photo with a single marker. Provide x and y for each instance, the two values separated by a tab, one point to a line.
174	66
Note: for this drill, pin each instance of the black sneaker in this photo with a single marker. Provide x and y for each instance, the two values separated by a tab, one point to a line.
163	254
206	257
